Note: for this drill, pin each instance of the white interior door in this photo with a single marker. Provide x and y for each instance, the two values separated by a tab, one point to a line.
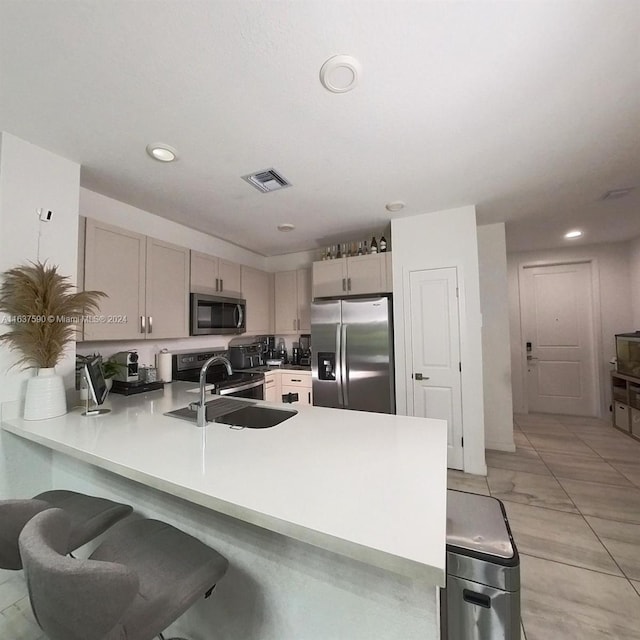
557	317
435	390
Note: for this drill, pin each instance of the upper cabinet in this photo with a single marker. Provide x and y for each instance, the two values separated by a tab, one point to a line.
352	276
146	281
214	275
257	290
293	301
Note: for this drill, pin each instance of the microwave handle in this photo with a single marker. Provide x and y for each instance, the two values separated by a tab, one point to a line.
240	315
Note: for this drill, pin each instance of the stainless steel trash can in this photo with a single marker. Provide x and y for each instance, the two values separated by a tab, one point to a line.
482	597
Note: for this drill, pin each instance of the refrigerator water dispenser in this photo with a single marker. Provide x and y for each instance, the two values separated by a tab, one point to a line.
326	365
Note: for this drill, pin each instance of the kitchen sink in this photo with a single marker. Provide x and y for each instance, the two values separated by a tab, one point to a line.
236	412
215	408
256	417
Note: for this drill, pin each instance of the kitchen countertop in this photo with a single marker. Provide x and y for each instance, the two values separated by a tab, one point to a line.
368	486
286	368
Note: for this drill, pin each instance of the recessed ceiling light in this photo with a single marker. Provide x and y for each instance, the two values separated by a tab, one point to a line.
286	226
573	234
339	74
394	206
162	152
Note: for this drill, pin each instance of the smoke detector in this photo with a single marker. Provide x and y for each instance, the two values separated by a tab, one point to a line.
339	74
267	180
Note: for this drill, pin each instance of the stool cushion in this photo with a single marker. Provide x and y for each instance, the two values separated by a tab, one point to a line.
72	599
140	579
90	516
173	568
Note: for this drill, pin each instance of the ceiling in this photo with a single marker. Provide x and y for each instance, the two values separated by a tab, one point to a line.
529	110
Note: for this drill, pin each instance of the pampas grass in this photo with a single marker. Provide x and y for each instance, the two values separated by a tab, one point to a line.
42	312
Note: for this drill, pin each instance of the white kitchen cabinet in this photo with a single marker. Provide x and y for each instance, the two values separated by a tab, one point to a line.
212	275
272	386
257	290
296	385
293	301
352	276
167	290
146	282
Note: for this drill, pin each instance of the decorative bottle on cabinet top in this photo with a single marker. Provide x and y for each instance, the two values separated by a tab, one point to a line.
374	245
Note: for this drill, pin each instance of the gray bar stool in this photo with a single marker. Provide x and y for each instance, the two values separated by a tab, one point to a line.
90	516
140	579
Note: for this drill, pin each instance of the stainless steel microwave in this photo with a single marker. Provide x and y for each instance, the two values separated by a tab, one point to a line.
216	315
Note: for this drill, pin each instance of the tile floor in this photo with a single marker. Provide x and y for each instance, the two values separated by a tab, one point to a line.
572	495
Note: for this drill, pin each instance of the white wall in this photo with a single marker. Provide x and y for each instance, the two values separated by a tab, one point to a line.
634	274
32	178
496	366
429	241
291	261
611	287
99	207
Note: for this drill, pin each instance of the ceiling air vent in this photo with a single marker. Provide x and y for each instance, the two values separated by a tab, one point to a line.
267	180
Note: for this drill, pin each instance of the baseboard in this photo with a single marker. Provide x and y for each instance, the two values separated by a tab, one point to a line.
500	446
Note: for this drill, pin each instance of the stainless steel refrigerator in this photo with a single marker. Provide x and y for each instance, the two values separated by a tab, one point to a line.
352	365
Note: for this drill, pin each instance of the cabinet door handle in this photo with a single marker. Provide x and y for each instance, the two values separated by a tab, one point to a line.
309	396
298	323
344	284
221	284
217	286
348	284
296	380
150	324
294	324
143	328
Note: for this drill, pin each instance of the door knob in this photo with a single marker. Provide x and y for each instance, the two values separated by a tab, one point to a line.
419	376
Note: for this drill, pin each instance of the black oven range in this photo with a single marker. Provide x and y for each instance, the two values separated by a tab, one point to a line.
186	366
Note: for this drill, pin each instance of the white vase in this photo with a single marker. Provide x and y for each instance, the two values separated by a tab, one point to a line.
45	396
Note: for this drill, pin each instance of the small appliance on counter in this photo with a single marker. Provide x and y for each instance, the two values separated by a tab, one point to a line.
128	371
281	353
246	355
304	358
132	388
268	344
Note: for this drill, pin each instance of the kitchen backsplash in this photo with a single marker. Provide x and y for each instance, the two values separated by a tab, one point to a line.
147	349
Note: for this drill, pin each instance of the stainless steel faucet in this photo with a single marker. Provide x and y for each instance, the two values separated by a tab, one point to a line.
201	407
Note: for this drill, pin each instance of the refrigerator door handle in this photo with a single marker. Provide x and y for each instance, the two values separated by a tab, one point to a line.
339	377
343	367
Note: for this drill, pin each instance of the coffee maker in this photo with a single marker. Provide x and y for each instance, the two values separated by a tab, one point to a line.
268	343
305	350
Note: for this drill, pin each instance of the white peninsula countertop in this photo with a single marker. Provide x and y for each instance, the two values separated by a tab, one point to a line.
371	487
